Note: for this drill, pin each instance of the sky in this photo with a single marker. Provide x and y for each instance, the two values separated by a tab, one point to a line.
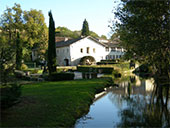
71	13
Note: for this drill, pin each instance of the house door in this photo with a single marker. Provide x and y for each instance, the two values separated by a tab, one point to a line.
66	62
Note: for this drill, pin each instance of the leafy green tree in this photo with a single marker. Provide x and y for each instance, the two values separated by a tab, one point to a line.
51	45
85	28
7	60
65	32
93	34
145	30
31	26
10	22
103	37
35	27
18	52
114	36
17	18
36	35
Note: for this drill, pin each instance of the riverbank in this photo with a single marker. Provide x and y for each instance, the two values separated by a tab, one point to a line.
52	104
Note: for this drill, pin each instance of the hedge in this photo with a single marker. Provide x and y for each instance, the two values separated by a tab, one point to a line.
105	62
9	95
105	70
60	76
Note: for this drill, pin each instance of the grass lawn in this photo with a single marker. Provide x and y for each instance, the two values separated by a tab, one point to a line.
52	104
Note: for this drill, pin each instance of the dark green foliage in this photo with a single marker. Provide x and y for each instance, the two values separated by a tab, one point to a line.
144	32
110	82
55	76
9	95
85	28
116	74
65	32
87	60
31	27
51	45
106	62
18	52
143	71
144	68
93	34
105	70
103	37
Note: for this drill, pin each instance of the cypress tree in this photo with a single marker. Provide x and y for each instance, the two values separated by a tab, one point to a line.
85	28
18	52
51	45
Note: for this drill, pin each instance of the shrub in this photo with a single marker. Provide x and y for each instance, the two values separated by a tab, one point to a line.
105	62
87	60
144	68
9	95
116	74
105	70
143	71
55	76
34	71
24	67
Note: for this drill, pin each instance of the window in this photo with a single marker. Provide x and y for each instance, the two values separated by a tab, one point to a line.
119	49
113	56
81	50
107	49
113	49
88	49
94	50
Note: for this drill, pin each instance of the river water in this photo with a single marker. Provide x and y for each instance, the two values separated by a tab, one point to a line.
134	103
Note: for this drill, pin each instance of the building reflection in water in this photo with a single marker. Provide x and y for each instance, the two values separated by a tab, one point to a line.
147	103
135	103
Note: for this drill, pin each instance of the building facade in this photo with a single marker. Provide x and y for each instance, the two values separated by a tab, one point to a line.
69	52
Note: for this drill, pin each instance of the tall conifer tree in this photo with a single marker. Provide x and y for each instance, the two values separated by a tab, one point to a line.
51	45
18	52
85	28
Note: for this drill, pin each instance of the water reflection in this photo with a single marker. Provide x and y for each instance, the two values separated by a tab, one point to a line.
136	102
146	111
86	75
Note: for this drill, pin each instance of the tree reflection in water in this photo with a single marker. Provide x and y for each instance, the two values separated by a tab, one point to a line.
152	111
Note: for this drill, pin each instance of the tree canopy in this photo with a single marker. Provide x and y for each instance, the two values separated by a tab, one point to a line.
144	30
31	26
65	32
103	37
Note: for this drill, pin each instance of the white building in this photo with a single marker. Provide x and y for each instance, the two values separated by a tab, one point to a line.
69	52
